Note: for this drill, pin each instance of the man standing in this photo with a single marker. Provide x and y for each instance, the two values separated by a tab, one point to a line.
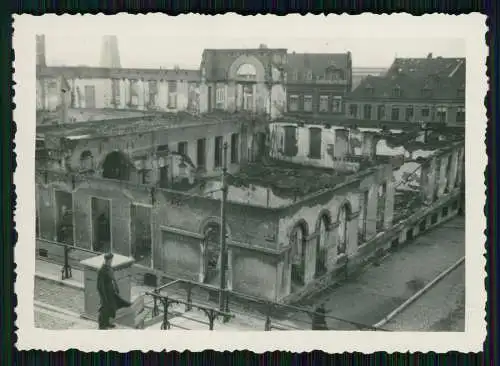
108	293
318	318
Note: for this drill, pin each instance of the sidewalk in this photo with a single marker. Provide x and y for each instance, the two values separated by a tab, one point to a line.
68	295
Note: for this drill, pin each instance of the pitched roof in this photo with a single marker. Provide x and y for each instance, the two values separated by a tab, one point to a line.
440	78
317	63
87	72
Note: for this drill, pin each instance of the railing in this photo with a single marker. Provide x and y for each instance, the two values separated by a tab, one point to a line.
270	313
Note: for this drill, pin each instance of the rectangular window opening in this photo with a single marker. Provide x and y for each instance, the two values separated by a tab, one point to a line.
218	152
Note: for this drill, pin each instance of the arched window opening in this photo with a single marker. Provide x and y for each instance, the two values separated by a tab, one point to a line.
322	244
86	161
211	235
298	242
116	166
343	218
247	71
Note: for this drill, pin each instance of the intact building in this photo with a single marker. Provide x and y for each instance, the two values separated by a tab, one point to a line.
318	82
416	90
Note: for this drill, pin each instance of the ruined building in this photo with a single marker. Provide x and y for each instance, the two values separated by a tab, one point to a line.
250	80
305	203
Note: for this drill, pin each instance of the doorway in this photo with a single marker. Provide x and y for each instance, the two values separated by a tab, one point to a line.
140	227
101	225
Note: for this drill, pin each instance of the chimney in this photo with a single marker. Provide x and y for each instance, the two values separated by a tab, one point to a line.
110	55
40	50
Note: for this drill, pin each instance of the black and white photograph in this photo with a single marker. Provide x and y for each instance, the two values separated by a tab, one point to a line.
236	175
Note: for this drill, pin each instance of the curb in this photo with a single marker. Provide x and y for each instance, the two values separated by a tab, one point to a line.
73	284
418	294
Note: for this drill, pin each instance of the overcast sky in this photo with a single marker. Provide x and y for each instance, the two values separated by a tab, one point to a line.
181	40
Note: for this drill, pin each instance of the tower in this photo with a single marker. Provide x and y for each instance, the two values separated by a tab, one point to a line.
40	50
110	56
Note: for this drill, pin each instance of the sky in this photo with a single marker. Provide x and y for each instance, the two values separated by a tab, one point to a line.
181	40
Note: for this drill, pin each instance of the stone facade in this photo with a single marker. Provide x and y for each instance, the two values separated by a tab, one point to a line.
249	80
119	89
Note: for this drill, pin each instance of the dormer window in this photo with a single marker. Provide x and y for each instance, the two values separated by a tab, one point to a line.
369	89
309	75
426	91
295	75
396	92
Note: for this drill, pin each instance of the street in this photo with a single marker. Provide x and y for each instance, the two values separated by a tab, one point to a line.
380	289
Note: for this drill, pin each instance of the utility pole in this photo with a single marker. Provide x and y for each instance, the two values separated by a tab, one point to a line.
223	257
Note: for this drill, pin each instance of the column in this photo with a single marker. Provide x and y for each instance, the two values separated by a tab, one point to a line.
389	204
452	176
460	167
82	214
443	181
371	212
331	251
140	96
123	92
352	234
428	180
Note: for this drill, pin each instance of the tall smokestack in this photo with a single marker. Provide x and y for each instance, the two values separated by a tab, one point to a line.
110	56
40	50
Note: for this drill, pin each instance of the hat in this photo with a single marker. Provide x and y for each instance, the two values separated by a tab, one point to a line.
108	256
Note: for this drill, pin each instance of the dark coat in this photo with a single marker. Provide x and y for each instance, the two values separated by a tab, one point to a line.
318	319
108	292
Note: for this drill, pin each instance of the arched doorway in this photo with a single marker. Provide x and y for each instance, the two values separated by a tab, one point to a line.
211	234
298	237
343	221
321	243
116	166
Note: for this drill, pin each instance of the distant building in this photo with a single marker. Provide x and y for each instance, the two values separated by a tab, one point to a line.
318	82
360	73
250	80
430	90
110	55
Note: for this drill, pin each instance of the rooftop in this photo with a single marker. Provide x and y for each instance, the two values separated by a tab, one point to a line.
318	63
292	181
138	124
117	73
416	79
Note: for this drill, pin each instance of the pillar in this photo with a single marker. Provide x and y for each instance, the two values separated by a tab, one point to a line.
123	99
452	176
460	167
140	94
352	234
428	180
389	203
122	270
443	181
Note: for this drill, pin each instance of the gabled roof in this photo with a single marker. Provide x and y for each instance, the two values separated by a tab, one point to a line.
441	78
318	63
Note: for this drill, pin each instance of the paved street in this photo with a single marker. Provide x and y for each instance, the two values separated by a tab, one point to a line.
441	308
379	290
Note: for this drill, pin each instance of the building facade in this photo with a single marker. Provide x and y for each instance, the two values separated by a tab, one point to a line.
426	90
250	80
317	83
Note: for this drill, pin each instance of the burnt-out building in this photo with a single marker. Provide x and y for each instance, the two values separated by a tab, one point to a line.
250	80
151	189
318	82
413	90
